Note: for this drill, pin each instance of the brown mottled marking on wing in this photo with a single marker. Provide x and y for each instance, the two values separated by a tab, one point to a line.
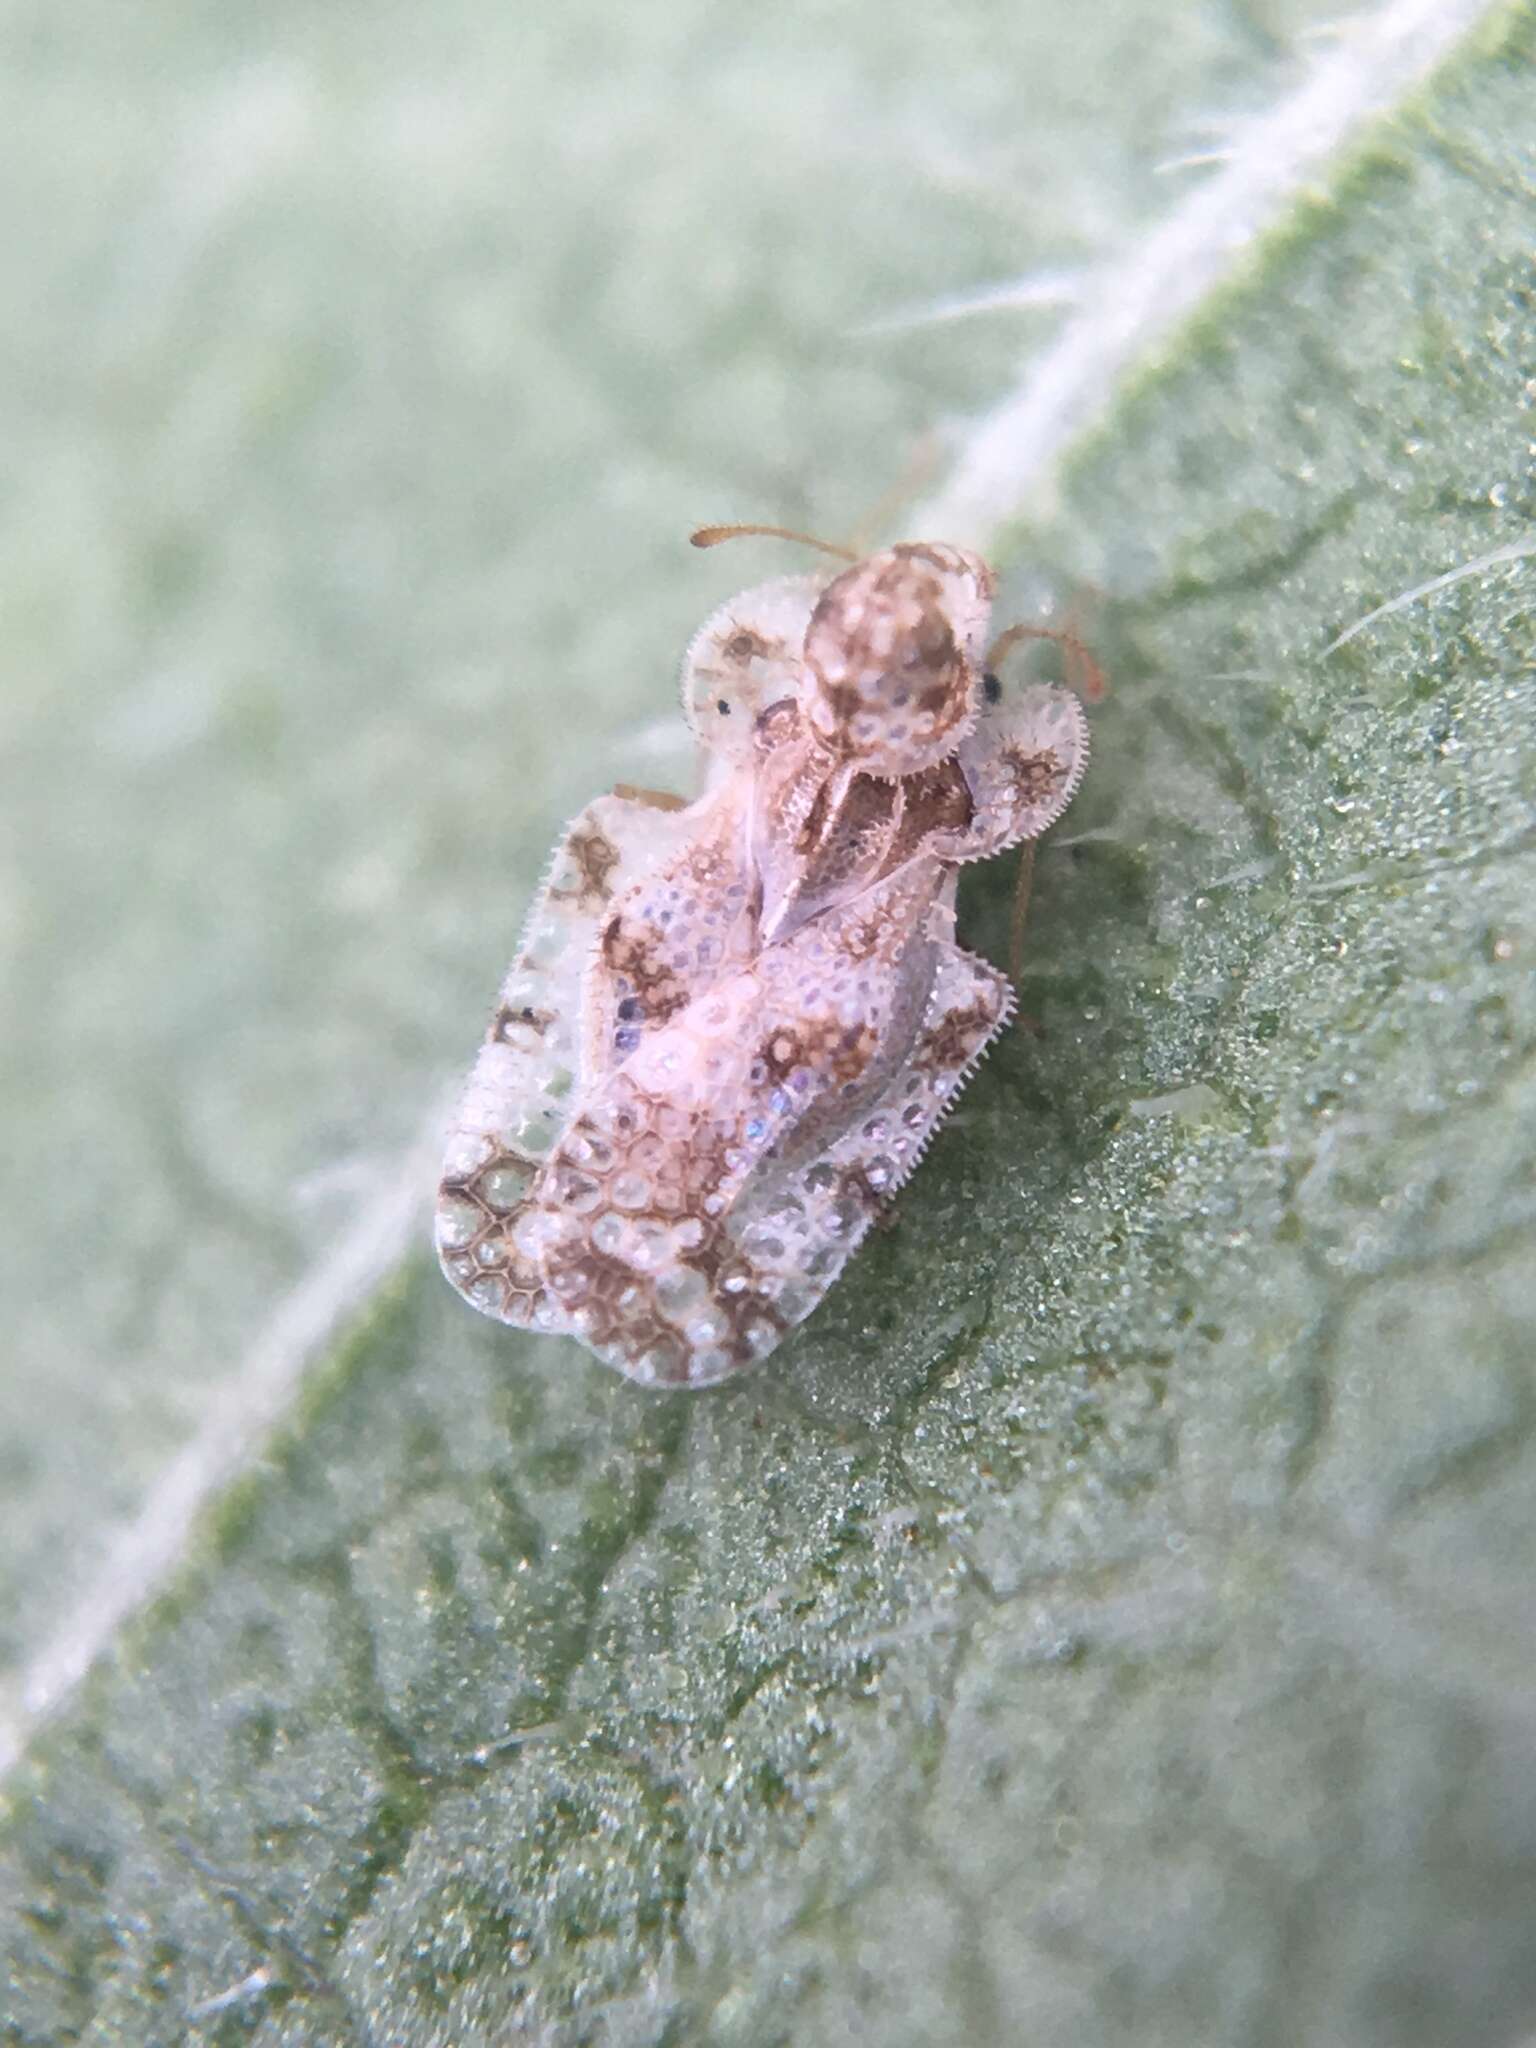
836	837
524	1016
781	1052
631	953
596	857
1021	764
745	645
633	1209
1036	776
686	924
952	1037
478	1213
823	1045
745	655
673	1314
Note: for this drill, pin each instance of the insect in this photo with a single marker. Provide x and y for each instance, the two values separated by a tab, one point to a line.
733	1025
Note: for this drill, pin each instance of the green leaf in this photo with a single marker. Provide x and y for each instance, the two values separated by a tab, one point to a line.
1110	1618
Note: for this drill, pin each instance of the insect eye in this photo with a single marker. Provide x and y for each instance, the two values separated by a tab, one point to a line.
723	708
992	689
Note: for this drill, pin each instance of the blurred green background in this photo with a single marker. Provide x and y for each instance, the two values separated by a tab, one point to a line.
1112	1615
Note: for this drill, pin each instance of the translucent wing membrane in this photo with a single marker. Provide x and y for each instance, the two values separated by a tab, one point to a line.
797	1227
684	924
745	657
532	1066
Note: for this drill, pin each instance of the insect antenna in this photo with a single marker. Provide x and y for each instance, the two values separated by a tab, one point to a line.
1083	672
711	537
